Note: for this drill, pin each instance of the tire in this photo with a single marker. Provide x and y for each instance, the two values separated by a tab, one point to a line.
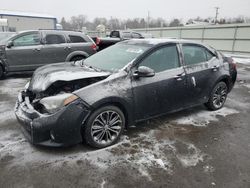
1	72
99	131
77	58
217	97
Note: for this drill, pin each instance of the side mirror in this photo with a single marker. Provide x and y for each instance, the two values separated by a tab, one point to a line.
144	71
10	44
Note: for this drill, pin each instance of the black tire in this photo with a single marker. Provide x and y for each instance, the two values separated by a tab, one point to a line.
1	72
217	97
100	130
77	58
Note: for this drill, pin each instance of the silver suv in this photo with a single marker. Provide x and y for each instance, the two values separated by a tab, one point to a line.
29	50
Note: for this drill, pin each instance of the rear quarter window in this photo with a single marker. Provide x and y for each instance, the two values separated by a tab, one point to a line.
76	39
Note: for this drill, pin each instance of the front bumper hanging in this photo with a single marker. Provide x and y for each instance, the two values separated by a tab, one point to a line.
62	128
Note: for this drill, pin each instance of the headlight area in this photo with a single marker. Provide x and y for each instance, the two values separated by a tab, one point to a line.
52	121
53	104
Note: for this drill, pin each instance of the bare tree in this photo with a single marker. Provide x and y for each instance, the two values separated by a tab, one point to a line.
78	22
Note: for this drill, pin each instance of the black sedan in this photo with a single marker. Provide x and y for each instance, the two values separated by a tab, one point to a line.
95	99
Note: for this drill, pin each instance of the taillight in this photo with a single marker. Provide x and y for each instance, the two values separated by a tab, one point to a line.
233	63
97	41
93	46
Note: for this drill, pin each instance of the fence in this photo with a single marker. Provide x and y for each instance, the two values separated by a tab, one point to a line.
231	38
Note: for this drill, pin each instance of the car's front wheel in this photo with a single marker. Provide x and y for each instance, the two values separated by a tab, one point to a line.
217	97
104	127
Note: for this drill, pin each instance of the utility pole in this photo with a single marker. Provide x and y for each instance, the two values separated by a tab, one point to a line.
216	14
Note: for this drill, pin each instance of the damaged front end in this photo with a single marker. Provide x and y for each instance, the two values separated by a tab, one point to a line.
54	116
60	128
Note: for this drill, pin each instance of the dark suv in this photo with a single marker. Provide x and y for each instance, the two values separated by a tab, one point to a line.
29	50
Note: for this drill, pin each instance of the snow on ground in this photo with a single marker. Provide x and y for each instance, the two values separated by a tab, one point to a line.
203	117
12	86
242	60
146	149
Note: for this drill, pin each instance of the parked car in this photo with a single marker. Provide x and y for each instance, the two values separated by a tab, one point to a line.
29	50
134	80
117	36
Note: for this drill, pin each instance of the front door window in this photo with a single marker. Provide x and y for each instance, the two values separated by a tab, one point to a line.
27	40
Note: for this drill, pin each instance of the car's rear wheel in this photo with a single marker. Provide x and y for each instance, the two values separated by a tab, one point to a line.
104	127
217	97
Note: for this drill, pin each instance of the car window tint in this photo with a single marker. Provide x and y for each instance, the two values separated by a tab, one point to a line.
209	55
54	39
136	35
162	59
27	40
126	35
76	39
194	54
115	34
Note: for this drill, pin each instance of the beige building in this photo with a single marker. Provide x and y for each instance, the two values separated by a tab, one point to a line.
19	21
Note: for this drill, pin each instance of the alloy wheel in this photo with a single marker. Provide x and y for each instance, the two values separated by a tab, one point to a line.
220	96
106	127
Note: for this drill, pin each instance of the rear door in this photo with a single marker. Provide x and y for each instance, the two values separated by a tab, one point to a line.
25	54
55	48
201	66
164	92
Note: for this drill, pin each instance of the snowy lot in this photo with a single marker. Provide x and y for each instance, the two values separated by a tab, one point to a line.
191	148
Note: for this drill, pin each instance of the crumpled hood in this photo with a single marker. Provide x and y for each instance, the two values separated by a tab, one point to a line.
44	76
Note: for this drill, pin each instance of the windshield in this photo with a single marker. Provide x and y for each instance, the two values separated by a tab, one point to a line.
115	57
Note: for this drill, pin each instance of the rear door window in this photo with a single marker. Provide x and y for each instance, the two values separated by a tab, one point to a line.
55	39
76	39
209	55
194	54
136	35
126	35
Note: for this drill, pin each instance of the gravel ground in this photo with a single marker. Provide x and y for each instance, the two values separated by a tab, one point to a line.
191	148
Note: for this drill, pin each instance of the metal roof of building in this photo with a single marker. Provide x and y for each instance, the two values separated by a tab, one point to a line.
24	14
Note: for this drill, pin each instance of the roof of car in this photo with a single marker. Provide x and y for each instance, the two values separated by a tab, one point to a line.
51	30
155	41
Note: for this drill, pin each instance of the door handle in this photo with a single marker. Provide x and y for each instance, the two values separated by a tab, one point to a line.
67	48
178	77
215	68
37	49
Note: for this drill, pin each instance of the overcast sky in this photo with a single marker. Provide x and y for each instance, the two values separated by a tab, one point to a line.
167	9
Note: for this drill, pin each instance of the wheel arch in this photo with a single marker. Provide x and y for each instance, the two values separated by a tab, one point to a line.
227	80
75	54
121	104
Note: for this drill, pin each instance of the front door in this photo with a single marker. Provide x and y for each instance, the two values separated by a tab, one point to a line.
25	54
164	92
